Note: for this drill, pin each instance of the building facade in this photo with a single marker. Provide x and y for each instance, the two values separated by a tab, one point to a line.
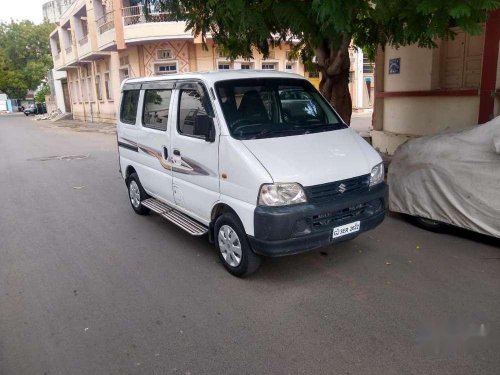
99	43
53	9
422	91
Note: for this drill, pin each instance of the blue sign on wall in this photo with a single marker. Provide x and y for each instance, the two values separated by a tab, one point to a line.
394	65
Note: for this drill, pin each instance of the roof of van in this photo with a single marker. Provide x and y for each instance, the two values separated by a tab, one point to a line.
214	76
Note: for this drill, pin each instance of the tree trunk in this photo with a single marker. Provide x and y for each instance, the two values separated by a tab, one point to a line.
334	65
335	89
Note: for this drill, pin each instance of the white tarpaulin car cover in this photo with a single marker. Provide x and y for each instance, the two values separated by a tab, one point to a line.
453	178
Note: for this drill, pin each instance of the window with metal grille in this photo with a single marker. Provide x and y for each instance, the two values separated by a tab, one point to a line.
107	86
268	66
166	68
98	89
164	54
368	66
224	66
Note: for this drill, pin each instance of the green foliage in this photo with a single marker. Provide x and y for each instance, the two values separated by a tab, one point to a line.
25	56
238	25
324	29
40	94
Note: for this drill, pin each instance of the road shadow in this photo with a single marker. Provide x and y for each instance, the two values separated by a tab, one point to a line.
454	231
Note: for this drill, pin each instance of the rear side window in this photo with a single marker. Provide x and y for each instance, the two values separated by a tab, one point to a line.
156	106
191	105
128	111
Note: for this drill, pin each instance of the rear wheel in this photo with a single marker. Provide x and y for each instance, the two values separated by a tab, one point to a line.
429	224
136	194
233	247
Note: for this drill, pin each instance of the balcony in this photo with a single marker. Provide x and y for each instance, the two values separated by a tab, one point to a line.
70	55
106	38
139	27
58	60
84	46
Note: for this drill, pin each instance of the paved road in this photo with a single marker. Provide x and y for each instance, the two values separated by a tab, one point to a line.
88	287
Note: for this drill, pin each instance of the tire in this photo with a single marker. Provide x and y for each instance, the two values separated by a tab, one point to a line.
136	194
429	224
27	114
237	255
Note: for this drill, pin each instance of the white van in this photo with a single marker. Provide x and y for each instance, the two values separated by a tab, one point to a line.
258	160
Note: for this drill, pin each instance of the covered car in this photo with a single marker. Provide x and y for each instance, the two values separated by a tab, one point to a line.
450	178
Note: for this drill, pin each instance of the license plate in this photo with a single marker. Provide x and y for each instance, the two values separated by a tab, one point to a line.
346	229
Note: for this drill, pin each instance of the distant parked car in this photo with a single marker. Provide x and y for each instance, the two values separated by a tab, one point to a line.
35	109
450	178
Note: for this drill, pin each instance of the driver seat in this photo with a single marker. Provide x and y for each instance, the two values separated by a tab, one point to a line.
252	107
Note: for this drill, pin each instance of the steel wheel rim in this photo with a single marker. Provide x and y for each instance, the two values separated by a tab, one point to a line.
230	246
429	221
135	194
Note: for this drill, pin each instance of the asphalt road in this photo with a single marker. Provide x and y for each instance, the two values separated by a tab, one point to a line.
89	287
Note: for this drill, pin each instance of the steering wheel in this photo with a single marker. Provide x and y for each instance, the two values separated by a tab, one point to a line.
239	124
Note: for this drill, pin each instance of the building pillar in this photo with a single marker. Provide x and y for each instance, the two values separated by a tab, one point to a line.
118	21
359	78
489	68
378	103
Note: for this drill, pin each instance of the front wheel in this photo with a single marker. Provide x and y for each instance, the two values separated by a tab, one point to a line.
136	194
233	247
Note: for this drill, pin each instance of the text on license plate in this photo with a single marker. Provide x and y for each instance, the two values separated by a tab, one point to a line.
346	229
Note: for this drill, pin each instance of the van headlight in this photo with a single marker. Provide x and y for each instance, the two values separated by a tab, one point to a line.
377	174
281	194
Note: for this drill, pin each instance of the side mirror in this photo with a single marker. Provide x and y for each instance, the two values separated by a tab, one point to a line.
204	127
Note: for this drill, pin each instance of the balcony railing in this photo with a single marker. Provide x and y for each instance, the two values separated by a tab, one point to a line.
84	40
106	22
69	50
136	15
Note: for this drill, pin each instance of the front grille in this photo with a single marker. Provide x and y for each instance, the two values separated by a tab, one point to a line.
326	192
332	219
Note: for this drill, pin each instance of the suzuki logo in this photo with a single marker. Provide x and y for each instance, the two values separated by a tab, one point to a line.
342	188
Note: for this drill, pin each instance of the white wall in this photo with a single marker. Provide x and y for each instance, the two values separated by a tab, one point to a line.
417	69
58	76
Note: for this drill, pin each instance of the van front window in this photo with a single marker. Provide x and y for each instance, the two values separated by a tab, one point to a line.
274	107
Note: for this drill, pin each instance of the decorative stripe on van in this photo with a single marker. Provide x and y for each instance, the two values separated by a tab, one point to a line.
181	165
128	146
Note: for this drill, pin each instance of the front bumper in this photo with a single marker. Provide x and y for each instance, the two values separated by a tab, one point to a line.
294	229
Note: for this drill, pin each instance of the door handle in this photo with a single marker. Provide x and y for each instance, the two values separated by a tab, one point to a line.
177	152
165	153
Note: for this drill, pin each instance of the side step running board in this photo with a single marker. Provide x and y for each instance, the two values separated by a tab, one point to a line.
178	218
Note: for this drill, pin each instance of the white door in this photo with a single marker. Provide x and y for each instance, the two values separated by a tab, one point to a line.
154	140
195	159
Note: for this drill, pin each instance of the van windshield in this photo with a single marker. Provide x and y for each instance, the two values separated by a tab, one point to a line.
274	107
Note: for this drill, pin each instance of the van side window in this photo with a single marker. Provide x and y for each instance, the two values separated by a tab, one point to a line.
191	105
128	109
156	106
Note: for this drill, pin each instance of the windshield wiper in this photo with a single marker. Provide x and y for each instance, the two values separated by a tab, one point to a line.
278	131
323	127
